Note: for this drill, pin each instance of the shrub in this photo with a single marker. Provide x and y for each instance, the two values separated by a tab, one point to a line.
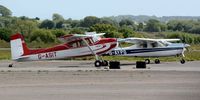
5	34
43	35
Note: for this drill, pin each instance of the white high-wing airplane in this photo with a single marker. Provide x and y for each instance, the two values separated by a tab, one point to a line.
75	45
145	47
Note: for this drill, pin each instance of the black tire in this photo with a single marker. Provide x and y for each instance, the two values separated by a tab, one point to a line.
97	63
10	65
104	63
182	61
147	61
157	61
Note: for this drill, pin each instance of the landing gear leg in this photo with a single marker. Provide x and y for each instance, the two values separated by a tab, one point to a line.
157	61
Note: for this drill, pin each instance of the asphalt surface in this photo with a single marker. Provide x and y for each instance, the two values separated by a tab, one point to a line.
80	80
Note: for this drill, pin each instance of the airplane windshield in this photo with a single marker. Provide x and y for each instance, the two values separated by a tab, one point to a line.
163	43
81	43
95	39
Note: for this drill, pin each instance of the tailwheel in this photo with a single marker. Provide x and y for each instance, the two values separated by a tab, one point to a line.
182	61
104	63
97	63
10	65
147	61
157	61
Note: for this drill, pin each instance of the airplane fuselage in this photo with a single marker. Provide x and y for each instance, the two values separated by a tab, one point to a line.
68	53
149	52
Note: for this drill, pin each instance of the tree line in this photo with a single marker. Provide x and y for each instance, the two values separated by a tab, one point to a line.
47	31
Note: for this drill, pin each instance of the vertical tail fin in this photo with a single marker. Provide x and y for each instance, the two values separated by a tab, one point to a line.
18	46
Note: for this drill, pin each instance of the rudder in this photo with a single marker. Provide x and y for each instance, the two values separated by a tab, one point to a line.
18	46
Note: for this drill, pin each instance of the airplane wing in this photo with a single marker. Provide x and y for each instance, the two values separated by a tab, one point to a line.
137	40
89	35
169	40
67	38
71	37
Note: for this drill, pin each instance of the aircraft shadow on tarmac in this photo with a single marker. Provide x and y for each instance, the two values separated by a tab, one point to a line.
70	66
91	64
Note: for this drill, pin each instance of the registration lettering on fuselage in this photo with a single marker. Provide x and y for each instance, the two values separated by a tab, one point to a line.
47	55
118	52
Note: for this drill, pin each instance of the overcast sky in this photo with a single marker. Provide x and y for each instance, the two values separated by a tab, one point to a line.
78	9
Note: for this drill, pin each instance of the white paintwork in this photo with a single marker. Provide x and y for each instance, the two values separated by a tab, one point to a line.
16	48
74	52
148	54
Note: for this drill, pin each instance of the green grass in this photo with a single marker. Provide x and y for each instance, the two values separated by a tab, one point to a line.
4	44
5	54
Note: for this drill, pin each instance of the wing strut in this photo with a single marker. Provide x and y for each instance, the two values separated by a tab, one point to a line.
93	52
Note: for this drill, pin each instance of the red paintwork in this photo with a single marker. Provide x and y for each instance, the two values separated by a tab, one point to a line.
105	40
16	36
62	46
19	36
112	46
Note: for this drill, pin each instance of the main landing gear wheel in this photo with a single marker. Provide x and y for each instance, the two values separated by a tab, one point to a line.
182	61
147	61
97	63
157	61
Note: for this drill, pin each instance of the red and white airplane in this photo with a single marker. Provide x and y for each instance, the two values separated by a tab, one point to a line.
75	45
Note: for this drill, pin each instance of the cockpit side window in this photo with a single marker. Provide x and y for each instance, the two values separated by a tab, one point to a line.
80	43
154	44
89	41
95	39
143	45
74	44
163	44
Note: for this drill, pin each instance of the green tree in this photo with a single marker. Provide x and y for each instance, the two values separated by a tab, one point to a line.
102	28
140	27
195	29
76	31
26	27
60	24
110	30
75	23
5	22
127	31
47	24
58	32
57	17
181	25
126	22
109	21
153	26
58	20
5	34
90	21
43	35
5	12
